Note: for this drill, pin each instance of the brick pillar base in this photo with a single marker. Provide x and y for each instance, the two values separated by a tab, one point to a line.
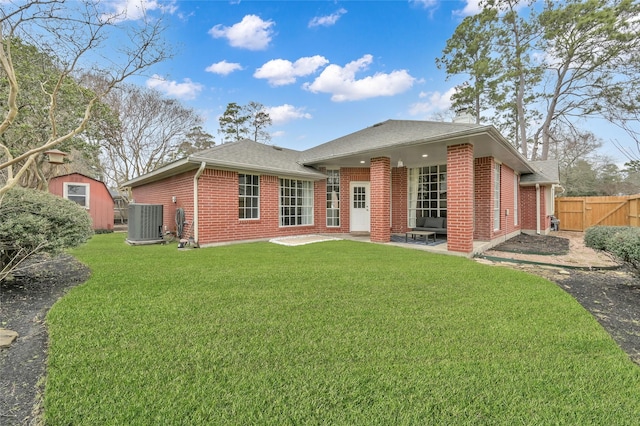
380	200
460	198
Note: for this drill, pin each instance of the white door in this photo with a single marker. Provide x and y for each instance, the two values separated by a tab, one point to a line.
359	211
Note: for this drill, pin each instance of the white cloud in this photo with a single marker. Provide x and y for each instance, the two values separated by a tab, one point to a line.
132	10
186	90
280	72
327	21
341	82
223	68
278	134
471	8
436	102
285	113
251	33
427	4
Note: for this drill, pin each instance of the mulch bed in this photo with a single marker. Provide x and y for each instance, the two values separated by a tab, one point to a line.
24	303
535	244
612	297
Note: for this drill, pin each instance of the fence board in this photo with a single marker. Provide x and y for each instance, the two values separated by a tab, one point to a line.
579	213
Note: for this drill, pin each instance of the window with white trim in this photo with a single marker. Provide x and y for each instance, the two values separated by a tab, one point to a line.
248	196
77	192
427	192
516	201
496	197
296	202
333	198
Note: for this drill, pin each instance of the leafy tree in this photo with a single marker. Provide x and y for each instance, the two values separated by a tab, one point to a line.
32	126
468	51
76	33
610	180
258	122
572	60
233	123
245	122
515	37
33	221
196	140
581	180
593	62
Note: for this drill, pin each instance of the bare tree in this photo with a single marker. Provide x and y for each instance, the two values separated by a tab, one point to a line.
75	33
147	133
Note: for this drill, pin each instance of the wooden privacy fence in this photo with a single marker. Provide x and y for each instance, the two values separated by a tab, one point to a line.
579	213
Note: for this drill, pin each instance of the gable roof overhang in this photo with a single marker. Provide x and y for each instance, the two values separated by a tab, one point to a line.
545	173
416	144
242	156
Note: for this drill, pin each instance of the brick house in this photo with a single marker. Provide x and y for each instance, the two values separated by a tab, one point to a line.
378	180
90	193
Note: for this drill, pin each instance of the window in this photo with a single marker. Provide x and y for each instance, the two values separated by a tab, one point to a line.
296	202
333	197
427	192
249	196
516	201
496	198
77	192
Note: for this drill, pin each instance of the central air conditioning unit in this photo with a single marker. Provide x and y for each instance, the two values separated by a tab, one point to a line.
145	224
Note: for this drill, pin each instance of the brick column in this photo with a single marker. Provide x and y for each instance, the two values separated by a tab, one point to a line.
379	206
399	194
460	198
483	229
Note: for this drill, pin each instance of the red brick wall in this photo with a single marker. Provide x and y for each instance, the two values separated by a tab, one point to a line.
161	192
218	205
380	199
528	209
348	175
399	199
460	198
507	195
483	198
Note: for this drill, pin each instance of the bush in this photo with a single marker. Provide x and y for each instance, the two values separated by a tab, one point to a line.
623	242
33	222
597	237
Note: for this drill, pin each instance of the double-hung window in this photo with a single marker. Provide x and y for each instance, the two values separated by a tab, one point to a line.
496	198
296	202
516	200
333	197
248	196
77	192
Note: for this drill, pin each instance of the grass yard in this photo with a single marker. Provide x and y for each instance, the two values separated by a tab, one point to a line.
330	333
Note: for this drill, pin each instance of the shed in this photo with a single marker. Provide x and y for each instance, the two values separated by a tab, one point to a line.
90	193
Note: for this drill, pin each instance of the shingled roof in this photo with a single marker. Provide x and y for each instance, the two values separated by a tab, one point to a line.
390	133
546	172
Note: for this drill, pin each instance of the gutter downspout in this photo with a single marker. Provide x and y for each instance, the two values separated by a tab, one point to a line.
537	208
195	202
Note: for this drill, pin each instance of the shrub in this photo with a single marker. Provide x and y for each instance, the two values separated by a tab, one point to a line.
623	242
597	237
33	222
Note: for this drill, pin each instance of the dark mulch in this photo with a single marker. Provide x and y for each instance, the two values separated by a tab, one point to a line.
535	244
612	297
24	303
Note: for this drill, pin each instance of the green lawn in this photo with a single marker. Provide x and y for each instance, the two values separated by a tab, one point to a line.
331	333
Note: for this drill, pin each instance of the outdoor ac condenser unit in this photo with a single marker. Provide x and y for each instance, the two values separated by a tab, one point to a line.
145	223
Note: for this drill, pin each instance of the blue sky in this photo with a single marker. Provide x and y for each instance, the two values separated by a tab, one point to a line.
323	69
